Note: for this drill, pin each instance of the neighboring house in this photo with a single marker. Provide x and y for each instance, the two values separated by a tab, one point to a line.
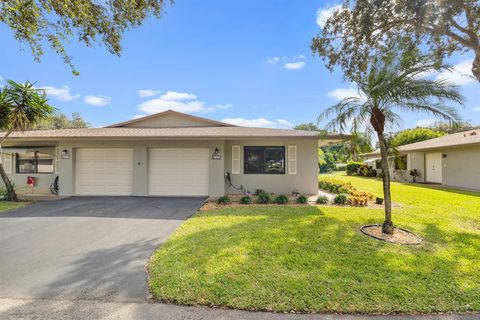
452	160
165	154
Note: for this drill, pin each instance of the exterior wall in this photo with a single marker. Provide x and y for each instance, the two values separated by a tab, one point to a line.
43	180
140	162
170	121
416	160
305	181
461	168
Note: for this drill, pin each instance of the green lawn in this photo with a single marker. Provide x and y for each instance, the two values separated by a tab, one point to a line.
6	205
314	259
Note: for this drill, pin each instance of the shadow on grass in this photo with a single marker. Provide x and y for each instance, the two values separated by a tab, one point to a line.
300	259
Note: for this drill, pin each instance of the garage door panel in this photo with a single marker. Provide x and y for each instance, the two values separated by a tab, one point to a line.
104	171
179	171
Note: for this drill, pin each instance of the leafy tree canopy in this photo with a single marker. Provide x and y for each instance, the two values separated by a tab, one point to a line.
449	128
361	29
414	135
62	121
37	22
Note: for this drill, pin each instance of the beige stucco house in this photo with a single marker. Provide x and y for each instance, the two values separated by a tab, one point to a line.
165	154
452	160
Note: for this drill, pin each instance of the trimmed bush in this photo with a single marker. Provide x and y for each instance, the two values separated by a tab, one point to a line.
224	200
340	199
246	200
322	200
378	200
352	167
281	199
336	186
302	199
264	198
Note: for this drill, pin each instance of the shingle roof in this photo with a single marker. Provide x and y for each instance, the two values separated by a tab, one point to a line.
464	138
169	133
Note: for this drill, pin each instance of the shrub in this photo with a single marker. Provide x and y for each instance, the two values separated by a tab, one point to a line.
336	186
340	199
378	200
352	167
264	198
367	171
259	191
246	200
302	199
322	200
281	199
224	200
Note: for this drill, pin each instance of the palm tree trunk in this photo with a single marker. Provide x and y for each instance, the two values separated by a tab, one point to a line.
387	226
12	195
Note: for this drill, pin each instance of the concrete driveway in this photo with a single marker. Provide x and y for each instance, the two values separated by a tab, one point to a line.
86	247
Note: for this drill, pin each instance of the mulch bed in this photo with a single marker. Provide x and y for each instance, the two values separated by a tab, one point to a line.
211	205
399	236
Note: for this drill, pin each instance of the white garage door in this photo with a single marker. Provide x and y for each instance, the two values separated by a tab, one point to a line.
104	171
178	172
433	164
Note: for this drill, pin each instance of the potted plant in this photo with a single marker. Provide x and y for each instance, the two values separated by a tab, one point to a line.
414	174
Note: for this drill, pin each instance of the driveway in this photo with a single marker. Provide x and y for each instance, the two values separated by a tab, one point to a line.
86	247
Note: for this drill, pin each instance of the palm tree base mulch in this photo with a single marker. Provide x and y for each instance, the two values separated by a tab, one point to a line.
399	236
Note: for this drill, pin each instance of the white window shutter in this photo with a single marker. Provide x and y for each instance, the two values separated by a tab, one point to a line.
7	162
55	160
292	159
235	159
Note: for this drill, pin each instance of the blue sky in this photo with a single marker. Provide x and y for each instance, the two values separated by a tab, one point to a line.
245	62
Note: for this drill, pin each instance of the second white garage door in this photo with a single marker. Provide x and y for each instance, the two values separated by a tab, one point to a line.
104	171
178	172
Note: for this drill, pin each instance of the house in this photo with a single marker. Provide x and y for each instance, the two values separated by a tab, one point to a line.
165	154
452	160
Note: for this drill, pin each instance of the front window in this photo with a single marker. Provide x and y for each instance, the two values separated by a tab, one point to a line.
264	160
34	162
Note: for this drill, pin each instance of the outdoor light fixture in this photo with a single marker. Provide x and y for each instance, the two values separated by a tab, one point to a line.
65	154
216	154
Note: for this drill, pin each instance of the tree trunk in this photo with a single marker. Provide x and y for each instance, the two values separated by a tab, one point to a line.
387	226
12	195
476	67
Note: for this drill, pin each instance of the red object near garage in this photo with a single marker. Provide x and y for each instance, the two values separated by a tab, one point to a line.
31	181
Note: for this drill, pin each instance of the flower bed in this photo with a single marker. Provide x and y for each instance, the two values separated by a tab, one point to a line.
354	196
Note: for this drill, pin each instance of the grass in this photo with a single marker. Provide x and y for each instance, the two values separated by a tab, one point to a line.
6	205
313	259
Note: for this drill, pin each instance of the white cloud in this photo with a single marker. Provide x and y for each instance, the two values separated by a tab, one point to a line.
143	93
97	100
294	65
259	123
342	93
62	94
324	13
273	60
179	101
461	74
476	109
289	63
425	122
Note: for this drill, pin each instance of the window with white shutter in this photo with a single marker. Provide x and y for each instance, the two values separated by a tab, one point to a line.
7	162
292	159
235	159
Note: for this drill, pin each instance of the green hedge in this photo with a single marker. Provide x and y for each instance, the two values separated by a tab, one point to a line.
336	186
352	167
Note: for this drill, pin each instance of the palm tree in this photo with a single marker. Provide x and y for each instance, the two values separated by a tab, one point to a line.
359	143
388	87
21	107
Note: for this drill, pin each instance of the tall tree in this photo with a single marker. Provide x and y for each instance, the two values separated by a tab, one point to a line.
362	28
37	22
62	121
408	136
21	107
359	143
392	85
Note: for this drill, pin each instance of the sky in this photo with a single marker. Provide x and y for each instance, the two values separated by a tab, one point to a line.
247	63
